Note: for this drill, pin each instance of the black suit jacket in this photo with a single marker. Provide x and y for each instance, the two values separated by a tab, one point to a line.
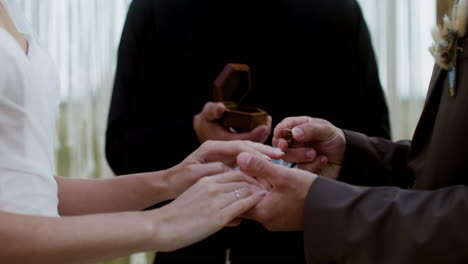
308	57
420	220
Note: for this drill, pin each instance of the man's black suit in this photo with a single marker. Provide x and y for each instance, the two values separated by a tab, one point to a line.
172	50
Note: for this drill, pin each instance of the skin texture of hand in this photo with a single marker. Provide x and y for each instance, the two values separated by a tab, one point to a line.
204	209
207	127
213	157
282	209
317	146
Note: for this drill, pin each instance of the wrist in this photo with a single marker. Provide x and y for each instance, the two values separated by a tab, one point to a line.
159	233
149	227
159	184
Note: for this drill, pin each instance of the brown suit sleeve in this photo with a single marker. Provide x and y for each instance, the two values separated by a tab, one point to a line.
372	161
351	224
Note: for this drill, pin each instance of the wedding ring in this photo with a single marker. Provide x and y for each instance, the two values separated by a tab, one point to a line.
236	192
288	136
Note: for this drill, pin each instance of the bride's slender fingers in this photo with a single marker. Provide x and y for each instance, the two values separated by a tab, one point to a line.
239	207
235	176
234	194
237	221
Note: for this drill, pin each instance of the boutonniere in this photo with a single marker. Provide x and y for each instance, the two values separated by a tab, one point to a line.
445	46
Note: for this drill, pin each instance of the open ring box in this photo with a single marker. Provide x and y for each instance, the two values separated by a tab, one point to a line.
231	87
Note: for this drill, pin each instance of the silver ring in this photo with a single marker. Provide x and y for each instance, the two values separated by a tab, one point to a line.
236	192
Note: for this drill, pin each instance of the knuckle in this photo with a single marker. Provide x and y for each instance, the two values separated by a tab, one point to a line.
222	167
207	181
260	165
211	189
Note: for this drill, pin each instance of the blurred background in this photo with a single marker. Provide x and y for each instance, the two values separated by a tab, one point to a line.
82	36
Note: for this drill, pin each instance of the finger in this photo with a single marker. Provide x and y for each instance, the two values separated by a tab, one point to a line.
260	149
314	166
241	189
231	149
331	170
268	133
241	206
281	144
254	135
240	193
235	176
229	134
261	133
299	155
256	167
233	192
213	110
208	169
290	123
318	131
237	221
269	121
263	184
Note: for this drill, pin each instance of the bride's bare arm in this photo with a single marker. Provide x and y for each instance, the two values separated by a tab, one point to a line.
124	193
85	239
203	209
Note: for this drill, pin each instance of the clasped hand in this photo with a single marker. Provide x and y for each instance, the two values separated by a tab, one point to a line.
271	194
317	147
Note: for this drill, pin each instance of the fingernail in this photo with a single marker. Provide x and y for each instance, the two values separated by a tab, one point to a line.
298	133
266	157
324	159
283	145
311	154
244	159
226	168
279	151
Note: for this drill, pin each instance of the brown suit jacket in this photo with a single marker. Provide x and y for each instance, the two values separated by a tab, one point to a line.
423	217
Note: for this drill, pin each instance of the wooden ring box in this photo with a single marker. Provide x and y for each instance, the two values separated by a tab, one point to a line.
231	87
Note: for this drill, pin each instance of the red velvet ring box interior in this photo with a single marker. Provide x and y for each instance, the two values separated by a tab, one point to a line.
231	87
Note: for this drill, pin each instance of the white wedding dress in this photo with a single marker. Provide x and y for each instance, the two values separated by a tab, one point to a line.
29	101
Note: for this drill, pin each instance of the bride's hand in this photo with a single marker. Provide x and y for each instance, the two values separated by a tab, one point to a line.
212	157
205	208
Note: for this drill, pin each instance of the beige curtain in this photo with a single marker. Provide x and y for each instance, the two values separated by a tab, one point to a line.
401	34
82	37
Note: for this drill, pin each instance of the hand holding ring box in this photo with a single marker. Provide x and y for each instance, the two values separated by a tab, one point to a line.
231	87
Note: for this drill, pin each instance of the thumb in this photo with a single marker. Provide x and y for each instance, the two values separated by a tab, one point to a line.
255	166
213	110
312	132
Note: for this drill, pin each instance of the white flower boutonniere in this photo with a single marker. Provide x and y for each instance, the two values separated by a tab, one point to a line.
445	47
